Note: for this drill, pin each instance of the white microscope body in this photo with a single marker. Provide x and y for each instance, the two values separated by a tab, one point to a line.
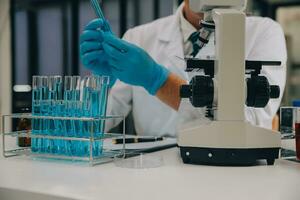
229	139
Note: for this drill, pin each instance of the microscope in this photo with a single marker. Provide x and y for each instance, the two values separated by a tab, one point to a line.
229	83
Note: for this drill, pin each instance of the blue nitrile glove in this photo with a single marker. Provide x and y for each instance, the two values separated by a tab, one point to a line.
91	51
133	65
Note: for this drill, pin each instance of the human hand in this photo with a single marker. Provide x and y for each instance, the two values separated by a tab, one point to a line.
133	65
92	54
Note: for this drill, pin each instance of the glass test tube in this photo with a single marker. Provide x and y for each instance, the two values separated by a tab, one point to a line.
103	105
39	94
86	109
77	112
104	95
91	108
35	111
56	127
68	90
72	98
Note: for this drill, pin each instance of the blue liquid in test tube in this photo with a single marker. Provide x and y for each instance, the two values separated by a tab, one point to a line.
90	109
36	106
44	122
94	101
56	127
39	94
68	101
71	98
77	111
86	109
102	111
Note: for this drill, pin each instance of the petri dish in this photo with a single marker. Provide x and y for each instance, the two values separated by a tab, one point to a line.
139	161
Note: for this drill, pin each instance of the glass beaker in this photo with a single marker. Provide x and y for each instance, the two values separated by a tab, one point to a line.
297	132
287	121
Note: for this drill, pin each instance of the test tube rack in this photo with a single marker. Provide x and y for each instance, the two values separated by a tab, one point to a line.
108	153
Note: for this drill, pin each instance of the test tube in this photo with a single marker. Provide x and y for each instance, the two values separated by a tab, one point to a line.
77	147
71	97
86	109
104	95
91	99
77	130
36	110
68	90
102	112
76	83
56	127
39	105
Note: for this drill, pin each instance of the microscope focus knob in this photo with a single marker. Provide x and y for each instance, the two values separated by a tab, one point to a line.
275	91
200	91
259	92
186	91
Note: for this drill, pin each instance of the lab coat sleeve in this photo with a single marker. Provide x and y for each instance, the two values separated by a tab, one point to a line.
270	46
120	96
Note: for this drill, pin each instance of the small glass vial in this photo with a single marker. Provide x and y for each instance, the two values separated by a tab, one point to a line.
297	128
24	125
287	120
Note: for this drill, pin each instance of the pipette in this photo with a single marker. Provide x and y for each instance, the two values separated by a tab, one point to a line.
99	13
97	8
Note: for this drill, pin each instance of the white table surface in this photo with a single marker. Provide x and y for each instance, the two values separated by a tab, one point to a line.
174	180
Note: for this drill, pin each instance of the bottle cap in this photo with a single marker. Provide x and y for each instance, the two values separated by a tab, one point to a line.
296	103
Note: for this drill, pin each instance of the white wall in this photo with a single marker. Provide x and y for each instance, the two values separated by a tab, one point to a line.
5	60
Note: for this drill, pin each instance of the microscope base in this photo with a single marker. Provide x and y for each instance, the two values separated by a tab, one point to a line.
228	157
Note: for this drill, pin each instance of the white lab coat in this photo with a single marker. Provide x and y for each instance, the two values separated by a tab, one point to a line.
163	40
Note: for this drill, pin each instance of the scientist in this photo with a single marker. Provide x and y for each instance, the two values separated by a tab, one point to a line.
149	70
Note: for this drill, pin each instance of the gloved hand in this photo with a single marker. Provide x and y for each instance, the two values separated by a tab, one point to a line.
132	64
92	54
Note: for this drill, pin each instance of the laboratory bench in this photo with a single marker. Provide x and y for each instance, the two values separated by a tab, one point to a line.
23	178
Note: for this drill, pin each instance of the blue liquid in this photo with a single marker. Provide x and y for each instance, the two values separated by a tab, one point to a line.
39	126
91	108
77	147
44	143
56	127
76	126
70	146
36	107
49	103
103	104
58	146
